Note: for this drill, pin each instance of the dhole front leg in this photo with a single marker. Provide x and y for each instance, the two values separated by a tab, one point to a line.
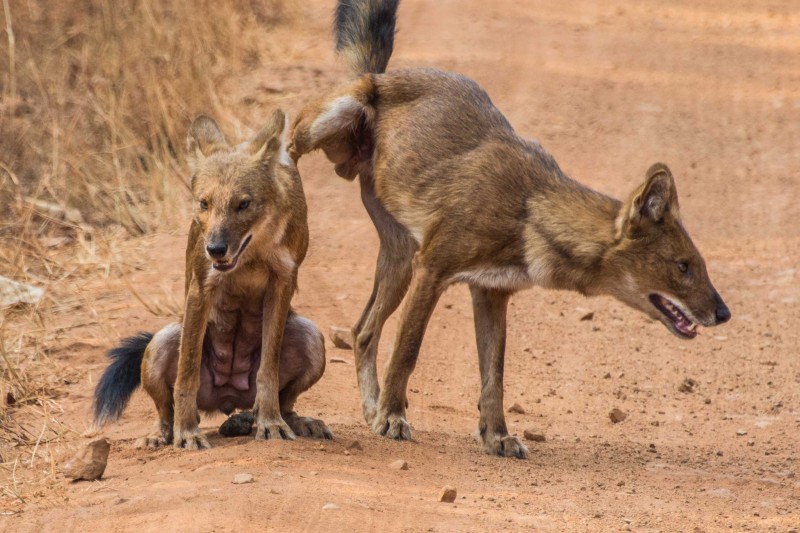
489	309
424	292
267	409
186	433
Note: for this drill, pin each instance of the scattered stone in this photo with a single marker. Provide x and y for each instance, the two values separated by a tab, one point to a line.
707	401
516	408
448	495
330	507
720	453
342	338
741	432
607	376
237	425
617	415
89	463
587	316
15	293
400	464
354	446
340	360
687	385
535	436
240	479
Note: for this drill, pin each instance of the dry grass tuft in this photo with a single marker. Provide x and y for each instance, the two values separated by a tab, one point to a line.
96	99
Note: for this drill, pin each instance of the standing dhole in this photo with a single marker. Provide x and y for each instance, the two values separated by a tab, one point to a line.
240	345
457	196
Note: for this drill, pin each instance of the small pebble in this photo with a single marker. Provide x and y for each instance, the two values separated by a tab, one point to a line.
516	408
400	464
89	463
240	479
617	415
342	338
354	446
448	495
330	507
535	436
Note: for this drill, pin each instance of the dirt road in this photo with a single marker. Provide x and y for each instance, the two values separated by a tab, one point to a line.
710	87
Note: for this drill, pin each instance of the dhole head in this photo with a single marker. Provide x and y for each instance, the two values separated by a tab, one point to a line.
655	267
234	189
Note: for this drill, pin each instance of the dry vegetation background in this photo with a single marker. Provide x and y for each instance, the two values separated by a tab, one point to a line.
95	99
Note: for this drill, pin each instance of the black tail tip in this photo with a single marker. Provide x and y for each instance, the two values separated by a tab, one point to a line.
120	379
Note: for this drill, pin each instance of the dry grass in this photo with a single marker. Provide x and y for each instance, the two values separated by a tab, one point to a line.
95	100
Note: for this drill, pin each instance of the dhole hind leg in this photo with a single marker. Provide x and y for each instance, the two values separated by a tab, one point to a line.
302	365
426	287
392	277
158	375
489	309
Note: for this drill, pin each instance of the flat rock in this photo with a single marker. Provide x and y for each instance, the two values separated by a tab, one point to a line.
533	435
90	462
341	337
516	408
330	507
448	495
240	479
617	415
400	464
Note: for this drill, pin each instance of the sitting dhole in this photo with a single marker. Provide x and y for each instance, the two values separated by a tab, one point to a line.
457	196
240	345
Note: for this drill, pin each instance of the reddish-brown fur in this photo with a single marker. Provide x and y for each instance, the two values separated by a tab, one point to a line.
457	196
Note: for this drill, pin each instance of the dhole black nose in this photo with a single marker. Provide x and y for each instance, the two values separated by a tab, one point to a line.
217	251
723	314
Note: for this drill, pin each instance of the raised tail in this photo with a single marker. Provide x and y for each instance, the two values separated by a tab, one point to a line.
364	32
120	379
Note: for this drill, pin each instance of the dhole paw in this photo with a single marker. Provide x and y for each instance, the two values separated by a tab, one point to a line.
151	441
304	426
392	426
505	446
273	429
191	439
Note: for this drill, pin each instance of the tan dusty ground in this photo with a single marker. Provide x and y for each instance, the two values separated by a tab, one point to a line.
712	87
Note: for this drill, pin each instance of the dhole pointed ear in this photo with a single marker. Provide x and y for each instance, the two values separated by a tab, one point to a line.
204	138
271	140
650	202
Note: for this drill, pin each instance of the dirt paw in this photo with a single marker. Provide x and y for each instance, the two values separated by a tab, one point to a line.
273	429
505	446
191	439
392	426
308	427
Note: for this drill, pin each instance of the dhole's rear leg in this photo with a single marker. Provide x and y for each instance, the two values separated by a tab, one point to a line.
489	309
302	365
158	370
426	287
392	276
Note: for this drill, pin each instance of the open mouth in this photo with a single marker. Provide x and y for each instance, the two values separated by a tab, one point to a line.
679	323
225	266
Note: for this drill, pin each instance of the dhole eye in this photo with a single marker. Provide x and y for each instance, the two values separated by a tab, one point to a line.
244	204
203	205
683	266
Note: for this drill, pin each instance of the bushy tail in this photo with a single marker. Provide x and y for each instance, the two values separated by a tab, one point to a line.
364	31
120	379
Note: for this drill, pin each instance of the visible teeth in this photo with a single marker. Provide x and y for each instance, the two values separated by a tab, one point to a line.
693	327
